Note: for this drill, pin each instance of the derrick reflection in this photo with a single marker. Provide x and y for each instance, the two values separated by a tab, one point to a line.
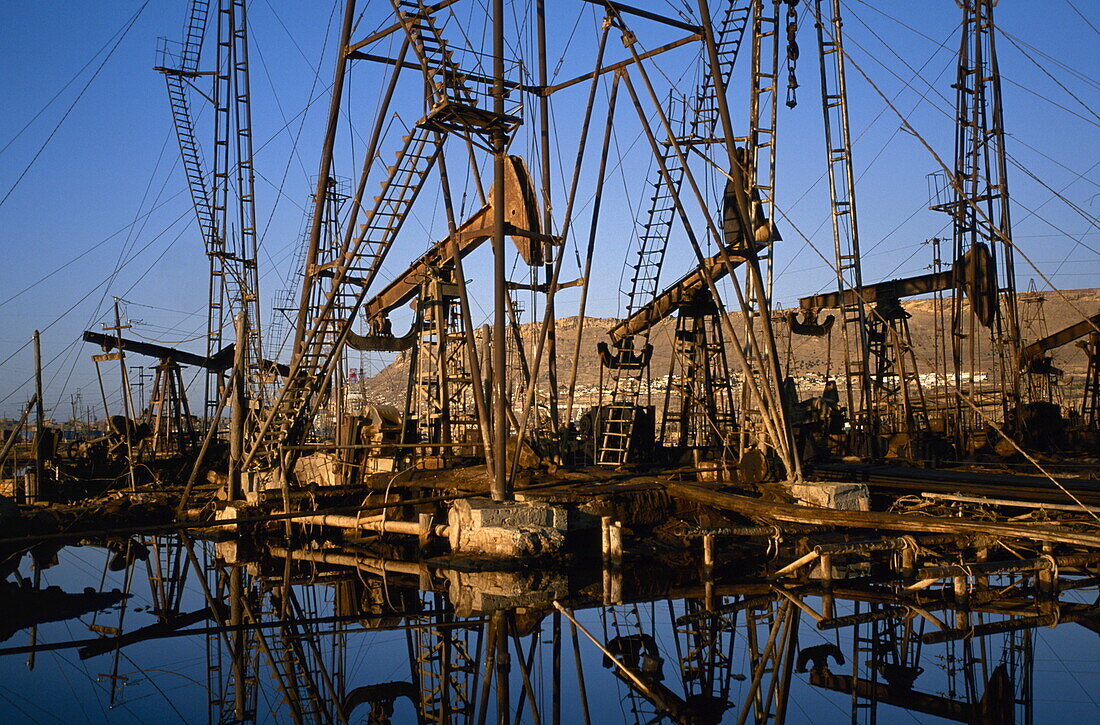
282	627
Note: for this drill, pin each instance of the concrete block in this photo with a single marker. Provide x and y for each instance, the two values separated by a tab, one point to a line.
839	496
317	468
506	529
474	593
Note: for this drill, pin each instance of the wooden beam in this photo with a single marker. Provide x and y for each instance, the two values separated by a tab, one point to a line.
792	513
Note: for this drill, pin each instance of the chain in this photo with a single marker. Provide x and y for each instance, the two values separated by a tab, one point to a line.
792	53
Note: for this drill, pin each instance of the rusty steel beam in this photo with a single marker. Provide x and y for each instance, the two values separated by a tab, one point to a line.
954	710
1057	339
894	289
680	292
520	209
621	64
221	360
406	65
639	12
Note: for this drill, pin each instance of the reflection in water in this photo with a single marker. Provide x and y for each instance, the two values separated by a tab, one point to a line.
312	632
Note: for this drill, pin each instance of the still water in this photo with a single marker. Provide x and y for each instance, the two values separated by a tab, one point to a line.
170	629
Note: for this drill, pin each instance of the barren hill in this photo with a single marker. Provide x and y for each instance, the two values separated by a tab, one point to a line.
806	358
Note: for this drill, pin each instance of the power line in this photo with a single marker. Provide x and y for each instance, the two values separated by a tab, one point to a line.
1082	16
27	168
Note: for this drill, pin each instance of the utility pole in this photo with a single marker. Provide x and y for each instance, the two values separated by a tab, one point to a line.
39	422
127	400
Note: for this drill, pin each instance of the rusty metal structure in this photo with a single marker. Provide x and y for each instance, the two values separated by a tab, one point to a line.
305	519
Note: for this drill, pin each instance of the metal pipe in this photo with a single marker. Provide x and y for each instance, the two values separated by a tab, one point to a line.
544	328
376	523
763	296
237	409
474	361
371	564
548	267
127	402
211	431
597	203
323	174
582	689
629	673
503	665
501	488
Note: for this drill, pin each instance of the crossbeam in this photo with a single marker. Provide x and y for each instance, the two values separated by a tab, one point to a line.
894	289
1060	338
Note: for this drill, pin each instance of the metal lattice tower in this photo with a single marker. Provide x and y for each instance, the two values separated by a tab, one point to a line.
981	216
322	328
442	383
703	412
838	145
224	200
446	665
705	643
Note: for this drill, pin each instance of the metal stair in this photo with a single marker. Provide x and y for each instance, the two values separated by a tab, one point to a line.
728	35
352	273
298	669
455	103
447	81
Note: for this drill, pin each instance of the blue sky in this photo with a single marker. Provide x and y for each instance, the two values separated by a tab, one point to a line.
106	190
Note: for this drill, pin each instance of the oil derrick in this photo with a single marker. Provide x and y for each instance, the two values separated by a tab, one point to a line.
898	398
628	357
699	413
885	655
440	399
168	415
700	346
334	291
772	633
442	407
226	211
167	568
978	202
446	664
705	640
1041	424
857	337
1033	326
